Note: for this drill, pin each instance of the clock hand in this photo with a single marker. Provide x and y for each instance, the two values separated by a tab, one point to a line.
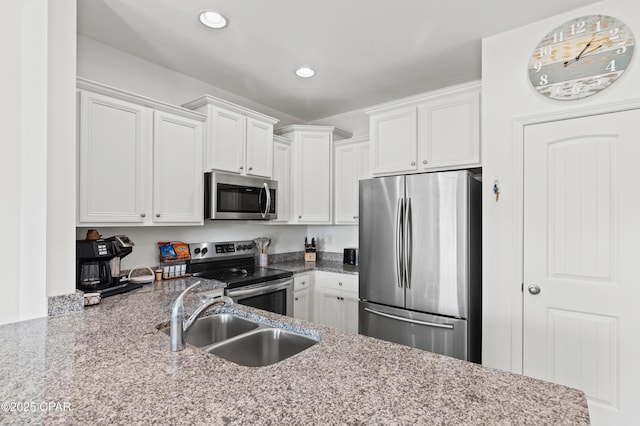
579	54
570	61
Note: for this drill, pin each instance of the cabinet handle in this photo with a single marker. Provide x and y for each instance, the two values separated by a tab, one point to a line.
241	167
413	163
250	168
143	215
296	299
157	214
424	161
304	282
339	283
299	217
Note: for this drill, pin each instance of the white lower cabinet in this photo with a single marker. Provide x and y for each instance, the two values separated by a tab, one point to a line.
302	295
336	300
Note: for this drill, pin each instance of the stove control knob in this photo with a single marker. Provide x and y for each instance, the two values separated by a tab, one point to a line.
196	251
205	250
249	246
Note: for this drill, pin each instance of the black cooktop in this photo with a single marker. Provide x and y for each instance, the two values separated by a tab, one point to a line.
242	276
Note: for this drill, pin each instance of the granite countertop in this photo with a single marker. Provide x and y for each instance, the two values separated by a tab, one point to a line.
298	266
110	365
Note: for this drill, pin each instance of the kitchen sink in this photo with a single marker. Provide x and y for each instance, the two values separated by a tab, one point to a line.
244	342
262	347
216	328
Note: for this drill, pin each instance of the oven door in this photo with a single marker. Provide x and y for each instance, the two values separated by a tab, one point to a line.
229	196
273	296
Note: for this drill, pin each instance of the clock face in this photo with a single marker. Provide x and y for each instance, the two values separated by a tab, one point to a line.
581	57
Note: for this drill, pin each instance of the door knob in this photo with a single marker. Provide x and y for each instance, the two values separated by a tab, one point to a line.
534	289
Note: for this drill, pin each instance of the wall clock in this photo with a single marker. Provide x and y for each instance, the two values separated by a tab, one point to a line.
581	57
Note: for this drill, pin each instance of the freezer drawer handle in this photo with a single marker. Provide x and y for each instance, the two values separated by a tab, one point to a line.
428	324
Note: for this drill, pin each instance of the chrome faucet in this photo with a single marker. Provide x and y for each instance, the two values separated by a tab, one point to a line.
180	327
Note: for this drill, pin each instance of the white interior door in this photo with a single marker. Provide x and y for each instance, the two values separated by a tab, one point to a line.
582	251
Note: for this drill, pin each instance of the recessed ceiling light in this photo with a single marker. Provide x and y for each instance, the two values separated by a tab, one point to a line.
212	19
305	72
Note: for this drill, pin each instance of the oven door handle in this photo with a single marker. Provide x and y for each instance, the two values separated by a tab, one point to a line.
261	289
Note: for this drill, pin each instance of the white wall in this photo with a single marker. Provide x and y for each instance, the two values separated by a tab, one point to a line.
507	95
355	122
284	238
333	238
61	148
105	64
32	137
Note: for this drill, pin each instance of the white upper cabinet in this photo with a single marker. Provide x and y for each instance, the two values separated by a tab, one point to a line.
282	174
394	141
227	126
312	172
449	133
177	169
259	148
439	130
237	140
351	164
114	141
139	160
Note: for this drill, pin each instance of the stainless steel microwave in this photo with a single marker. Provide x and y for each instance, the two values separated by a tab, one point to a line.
229	196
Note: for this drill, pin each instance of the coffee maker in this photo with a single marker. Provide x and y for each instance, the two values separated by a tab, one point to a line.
98	265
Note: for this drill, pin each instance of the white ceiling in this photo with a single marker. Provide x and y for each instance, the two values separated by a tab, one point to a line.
364	51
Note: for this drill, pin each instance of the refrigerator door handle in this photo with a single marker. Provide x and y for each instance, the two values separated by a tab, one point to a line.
408	241
412	321
398	249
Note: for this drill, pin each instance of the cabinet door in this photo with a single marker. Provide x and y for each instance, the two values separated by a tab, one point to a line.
282	174
114	160
226	140
346	184
259	148
313	194
450	132
177	169
364	160
350	312
329	309
301	305
394	141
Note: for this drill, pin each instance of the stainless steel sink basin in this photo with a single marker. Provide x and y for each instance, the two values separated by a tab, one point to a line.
216	328
262	347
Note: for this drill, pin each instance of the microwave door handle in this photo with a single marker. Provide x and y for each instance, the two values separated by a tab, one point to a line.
268	206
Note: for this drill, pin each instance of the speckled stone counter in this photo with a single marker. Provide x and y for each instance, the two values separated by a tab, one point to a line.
299	266
110	365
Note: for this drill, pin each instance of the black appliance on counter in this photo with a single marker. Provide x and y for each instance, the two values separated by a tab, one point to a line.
96	261
233	263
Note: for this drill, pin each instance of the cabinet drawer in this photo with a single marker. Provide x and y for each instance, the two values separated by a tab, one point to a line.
301	282
341	282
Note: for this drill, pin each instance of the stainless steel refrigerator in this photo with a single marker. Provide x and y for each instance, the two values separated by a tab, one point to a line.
420	262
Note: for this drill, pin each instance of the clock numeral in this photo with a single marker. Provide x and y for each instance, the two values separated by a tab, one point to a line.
598	26
546	50
544	80
612	66
559	36
622	49
578	28
537	66
575	89
597	81
614	33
